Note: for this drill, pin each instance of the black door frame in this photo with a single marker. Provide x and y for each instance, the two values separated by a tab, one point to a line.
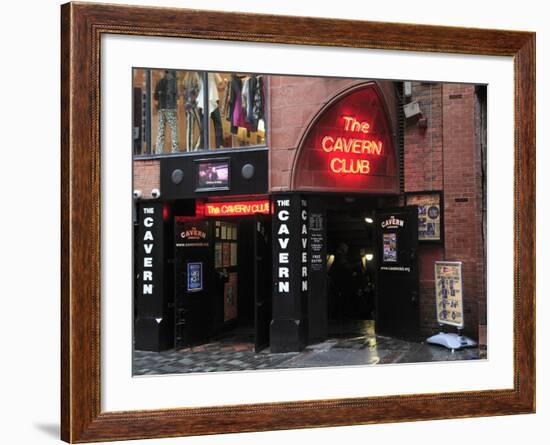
413	327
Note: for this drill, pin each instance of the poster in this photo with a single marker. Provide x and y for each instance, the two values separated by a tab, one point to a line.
226	254
230	297
233	254
194	277
429	215
389	241
448	293
316	241
218	255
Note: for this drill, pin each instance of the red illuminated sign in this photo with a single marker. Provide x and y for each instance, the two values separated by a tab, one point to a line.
349	147
236	208
361	144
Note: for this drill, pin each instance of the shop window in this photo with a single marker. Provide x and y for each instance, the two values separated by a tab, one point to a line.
176	111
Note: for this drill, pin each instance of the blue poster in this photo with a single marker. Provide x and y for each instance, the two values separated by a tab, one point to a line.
194	277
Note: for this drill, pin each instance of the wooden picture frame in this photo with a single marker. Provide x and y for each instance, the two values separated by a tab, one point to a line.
82	26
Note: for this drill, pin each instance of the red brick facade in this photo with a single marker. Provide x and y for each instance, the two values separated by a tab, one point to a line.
445	156
146	176
442	152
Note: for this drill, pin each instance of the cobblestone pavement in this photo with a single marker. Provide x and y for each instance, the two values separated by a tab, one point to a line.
353	344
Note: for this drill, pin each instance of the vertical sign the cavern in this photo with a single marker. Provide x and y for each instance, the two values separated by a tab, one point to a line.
290	273
149	270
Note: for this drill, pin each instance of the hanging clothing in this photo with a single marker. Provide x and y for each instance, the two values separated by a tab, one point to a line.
166	95
235	103
214	79
167	116
257	106
218	130
166	91
191	92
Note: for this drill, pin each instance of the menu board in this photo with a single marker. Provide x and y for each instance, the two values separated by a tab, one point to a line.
429	215
448	293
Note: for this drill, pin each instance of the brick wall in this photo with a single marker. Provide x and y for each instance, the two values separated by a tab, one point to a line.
463	196
146	176
446	156
424	146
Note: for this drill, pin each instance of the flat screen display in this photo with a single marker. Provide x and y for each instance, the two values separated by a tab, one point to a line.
213	175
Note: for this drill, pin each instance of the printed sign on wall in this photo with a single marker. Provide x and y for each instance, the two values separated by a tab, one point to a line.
194	277
448	293
389	242
429	215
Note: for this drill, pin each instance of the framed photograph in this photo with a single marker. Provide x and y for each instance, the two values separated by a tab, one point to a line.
430	214
336	148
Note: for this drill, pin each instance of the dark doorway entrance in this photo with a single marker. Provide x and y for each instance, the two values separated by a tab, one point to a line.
222	280
262	280
397	284
350	264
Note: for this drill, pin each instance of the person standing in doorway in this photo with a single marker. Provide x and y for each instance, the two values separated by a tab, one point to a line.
166	96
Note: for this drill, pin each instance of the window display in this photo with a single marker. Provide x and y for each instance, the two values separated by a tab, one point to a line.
178	111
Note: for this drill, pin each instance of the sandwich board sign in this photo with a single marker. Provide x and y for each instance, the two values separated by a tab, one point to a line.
448	293
449	304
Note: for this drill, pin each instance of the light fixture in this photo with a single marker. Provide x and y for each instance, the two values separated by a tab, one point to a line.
369	256
369	220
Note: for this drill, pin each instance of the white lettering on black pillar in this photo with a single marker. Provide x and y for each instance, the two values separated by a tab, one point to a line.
283	239
149	222
304	239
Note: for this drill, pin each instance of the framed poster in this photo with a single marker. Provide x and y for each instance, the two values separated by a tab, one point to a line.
389	245
430	214
194	277
93	387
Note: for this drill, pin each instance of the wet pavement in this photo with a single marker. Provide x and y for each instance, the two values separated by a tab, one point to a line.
348	344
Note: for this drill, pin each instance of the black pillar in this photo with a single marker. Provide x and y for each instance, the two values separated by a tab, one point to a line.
152	325
290	273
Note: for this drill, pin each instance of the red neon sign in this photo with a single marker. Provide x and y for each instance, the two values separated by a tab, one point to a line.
357	145
236	208
349	147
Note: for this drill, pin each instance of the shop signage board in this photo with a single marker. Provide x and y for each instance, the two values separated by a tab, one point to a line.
236	208
191	233
149	259
429	215
350	147
448	293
